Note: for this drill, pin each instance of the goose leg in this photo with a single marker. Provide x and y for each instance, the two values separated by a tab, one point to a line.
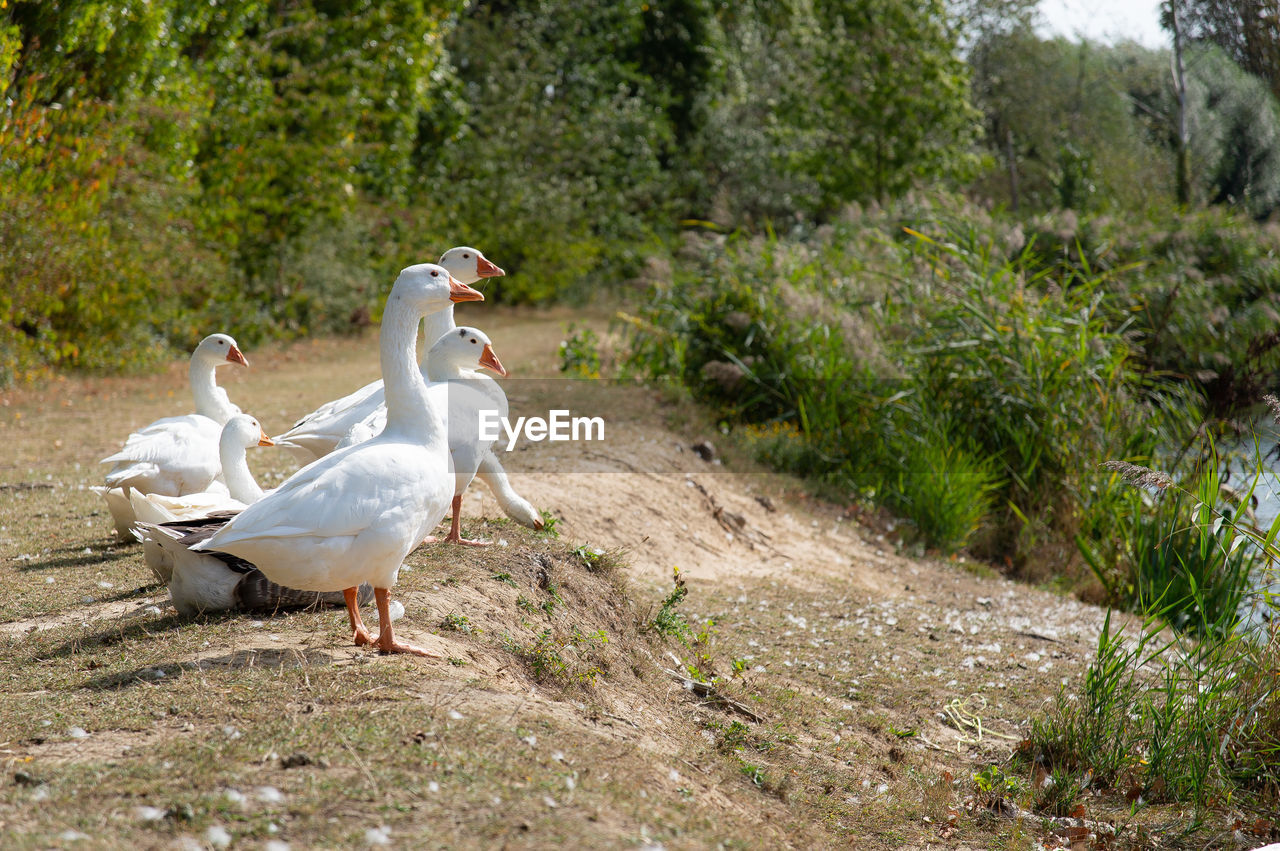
386	641
513	504
358	633
455	527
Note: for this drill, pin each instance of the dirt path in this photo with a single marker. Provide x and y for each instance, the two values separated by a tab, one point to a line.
872	668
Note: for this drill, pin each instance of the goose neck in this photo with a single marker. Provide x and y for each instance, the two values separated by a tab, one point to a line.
204	388
434	326
236	473
409	412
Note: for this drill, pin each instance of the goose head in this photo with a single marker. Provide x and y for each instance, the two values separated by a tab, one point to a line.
469	265
219	350
467	348
244	431
427	288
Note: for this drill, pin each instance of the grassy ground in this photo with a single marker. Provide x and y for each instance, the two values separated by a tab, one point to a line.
853	679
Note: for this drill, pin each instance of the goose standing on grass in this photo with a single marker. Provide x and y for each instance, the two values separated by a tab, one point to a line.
176	455
456	389
318	433
353	516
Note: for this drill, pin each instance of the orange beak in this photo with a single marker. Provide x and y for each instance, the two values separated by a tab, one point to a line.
461	292
237	356
490	361
485	269
265	441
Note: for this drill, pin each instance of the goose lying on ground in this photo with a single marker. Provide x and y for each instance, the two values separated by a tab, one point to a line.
353	516
241	432
215	582
175	455
458	391
318	433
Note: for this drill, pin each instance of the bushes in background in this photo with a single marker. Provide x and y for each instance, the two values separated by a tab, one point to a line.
944	368
255	165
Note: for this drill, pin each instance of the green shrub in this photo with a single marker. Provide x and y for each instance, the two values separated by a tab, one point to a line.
1186	716
668	621
946	490
580	352
971	388
1179	720
1178	560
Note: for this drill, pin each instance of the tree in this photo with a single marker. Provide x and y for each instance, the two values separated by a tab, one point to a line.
1248	31
1078	139
1170	20
889	98
834	101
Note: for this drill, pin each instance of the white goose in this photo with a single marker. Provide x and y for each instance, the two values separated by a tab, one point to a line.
318	433
241	432
176	455
216	582
456	389
354	515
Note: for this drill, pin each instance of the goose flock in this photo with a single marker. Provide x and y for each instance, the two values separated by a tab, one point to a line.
383	466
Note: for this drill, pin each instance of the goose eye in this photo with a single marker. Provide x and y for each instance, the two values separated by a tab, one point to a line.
435	274
474	341
466	257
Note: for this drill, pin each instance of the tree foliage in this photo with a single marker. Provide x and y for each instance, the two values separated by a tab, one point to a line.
1094	127
258	164
1248	31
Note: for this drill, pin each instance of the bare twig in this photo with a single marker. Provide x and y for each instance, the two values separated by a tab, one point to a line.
712	695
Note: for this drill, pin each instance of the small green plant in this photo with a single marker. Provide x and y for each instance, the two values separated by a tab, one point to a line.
735	737
543	656
523	602
595	559
754	773
668	621
505	577
550	525
995	787
702	668
576	659
457	623
1057	794
579	637
761	778
580	352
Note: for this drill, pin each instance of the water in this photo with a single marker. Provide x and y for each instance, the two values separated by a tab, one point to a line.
1242	466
